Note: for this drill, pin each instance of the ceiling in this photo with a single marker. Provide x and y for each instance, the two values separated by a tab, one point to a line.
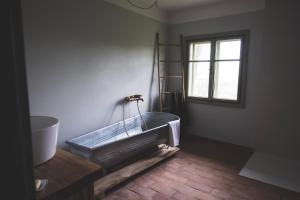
170	5
180	11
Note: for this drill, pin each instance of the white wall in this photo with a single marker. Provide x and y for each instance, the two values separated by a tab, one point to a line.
233	125
83	57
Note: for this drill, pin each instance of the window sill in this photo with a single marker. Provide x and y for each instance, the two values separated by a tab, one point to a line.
216	102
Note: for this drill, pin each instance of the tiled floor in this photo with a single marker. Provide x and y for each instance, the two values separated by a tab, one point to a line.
205	170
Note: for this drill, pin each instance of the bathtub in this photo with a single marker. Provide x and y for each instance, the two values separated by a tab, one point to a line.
111	146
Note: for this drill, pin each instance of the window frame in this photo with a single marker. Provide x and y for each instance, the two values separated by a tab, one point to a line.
244	36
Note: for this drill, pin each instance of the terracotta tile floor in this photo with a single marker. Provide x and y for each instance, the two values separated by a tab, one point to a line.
203	169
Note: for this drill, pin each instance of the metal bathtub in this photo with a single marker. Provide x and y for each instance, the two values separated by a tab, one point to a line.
110	146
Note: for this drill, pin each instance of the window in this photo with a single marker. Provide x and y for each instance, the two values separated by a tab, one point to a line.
215	67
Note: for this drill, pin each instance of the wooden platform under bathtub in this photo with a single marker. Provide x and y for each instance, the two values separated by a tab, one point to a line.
113	179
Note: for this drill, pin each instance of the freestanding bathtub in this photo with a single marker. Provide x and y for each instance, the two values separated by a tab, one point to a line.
110	146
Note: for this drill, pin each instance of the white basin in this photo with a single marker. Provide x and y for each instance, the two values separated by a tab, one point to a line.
44	131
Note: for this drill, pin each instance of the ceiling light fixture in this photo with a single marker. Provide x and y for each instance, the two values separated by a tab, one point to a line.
143	4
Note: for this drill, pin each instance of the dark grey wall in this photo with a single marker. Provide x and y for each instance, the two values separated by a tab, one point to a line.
234	125
83	57
270	120
279	95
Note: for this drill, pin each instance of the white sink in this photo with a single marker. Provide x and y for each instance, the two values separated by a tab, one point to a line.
44	131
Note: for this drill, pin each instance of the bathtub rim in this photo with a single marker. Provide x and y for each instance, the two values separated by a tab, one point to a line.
144	132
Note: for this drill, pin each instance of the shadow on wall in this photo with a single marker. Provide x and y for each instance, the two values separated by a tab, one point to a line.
110	115
153	99
153	104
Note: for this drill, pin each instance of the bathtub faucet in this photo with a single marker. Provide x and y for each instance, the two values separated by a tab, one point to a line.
136	97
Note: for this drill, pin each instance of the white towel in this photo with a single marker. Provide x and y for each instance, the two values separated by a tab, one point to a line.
174	133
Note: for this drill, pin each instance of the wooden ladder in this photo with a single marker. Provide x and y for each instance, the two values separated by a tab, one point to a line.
179	77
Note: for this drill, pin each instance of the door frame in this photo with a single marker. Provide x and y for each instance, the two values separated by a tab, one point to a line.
17	140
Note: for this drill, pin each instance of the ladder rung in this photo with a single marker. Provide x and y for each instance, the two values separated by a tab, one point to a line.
166	44
166	92
170	77
170	61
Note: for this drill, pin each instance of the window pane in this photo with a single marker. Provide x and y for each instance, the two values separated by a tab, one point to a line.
200	51
226	80
228	49
198	79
